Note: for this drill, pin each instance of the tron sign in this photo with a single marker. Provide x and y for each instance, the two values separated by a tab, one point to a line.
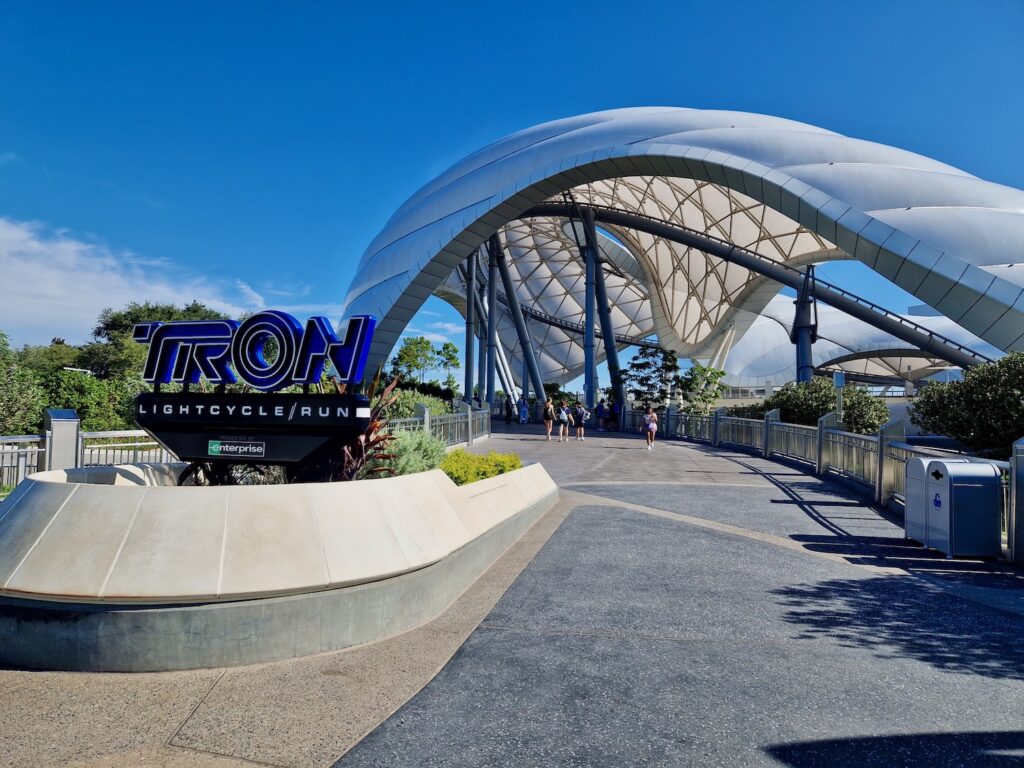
220	350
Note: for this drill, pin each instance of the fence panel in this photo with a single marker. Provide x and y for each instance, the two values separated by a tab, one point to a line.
451	428
852	456
129	446
738	431
694	427
794	441
20	455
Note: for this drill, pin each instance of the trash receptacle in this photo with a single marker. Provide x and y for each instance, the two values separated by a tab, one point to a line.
916	499
964	500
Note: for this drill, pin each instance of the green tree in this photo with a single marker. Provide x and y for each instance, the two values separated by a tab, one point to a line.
700	386
985	411
448	358
46	361
806	402
113	353
652	376
98	402
21	399
414	358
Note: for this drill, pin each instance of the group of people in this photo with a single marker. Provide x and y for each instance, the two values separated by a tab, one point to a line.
576	416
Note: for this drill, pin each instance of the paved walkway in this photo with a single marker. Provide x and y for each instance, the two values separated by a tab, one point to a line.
681	606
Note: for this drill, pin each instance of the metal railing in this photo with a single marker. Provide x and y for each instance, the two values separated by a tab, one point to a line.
739	431
793	441
20	455
130	446
694	427
851	456
404	425
895	458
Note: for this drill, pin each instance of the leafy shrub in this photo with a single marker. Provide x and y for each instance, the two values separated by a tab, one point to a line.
464	467
806	402
416	451
404	406
985	411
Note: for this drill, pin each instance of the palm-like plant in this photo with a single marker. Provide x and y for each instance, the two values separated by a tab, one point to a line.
363	456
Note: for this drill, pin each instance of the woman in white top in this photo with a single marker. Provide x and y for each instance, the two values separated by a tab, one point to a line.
650	427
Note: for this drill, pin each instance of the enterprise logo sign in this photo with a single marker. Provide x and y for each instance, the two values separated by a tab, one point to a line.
221	448
224	351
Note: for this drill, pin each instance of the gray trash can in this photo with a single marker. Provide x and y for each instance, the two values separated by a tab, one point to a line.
964	501
917	501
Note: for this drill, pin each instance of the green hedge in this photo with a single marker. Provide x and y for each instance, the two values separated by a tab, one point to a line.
414	451
464	467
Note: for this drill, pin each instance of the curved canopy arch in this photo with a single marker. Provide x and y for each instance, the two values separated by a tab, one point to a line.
784	189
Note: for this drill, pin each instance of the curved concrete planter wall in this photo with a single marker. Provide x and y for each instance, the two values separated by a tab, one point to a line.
115	568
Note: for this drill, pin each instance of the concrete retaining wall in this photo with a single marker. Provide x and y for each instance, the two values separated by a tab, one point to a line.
300	569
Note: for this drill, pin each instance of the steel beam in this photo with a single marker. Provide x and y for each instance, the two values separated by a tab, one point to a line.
870	313
470	331
504	370
805	328
611	351
589	254
517	317
492	322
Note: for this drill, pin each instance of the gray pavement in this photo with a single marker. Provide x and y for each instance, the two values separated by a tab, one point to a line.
681	606
635	638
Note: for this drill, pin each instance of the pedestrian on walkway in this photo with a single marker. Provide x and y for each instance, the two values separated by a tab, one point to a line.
650	427
508	409
564	422
524	410
580	415
549	417
600	415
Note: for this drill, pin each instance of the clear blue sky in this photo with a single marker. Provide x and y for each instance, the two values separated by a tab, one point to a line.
246	153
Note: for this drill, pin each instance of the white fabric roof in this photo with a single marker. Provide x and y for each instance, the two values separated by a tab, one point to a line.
790	191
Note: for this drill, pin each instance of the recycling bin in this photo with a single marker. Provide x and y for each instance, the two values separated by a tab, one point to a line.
963	502
915	509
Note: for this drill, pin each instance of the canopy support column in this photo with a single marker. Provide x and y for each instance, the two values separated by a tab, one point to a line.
805	328
470	330
517	316
611	351
492	323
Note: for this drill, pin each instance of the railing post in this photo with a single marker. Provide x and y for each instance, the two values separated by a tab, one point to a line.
1015	532
61	426
669	413
716	420
890	432
423	413
468	408
772	417
825	423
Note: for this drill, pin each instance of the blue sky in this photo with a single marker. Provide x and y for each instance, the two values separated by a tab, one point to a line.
246	153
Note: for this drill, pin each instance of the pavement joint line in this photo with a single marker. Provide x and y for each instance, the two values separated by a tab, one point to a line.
695	637
765	538
661	482
193	711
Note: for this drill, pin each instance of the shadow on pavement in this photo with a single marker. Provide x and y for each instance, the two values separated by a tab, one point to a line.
919	750
893	617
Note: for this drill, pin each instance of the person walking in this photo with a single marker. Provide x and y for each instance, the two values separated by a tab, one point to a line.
564	421
508	409
580	415
600	415
650	427
549	417
524	410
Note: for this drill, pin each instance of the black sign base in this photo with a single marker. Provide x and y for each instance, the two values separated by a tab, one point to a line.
297	431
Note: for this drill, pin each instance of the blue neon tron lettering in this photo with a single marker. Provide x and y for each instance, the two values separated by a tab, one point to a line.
182	351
